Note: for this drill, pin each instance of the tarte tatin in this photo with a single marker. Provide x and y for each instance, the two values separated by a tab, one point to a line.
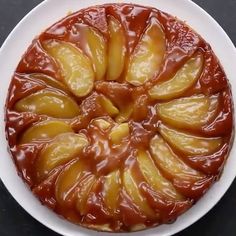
119	117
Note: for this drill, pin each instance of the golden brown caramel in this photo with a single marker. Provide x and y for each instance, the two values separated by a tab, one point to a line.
119	117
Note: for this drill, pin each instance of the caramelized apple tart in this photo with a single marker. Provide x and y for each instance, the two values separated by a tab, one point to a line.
119	117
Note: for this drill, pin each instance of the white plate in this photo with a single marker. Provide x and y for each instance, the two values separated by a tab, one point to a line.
48	13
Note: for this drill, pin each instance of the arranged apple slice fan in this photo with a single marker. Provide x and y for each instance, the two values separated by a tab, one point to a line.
119	117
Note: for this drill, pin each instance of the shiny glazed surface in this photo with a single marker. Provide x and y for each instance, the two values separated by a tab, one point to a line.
143	178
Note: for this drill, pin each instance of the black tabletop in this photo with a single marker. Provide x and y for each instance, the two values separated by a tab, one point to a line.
220	221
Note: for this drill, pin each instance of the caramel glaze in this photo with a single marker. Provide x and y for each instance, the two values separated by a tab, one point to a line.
182	43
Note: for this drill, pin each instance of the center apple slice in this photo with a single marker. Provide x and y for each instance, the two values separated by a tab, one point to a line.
124	114
148	55
108	106
102	124
118	133
192	112
182	80
75	66
190	144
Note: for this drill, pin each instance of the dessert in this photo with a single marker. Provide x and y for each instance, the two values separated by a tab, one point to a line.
119	117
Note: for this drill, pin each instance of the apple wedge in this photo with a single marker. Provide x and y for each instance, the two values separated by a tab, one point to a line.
102	124
154	177
183	80
192	112
108	106
190	144
112	190
45	130
74	183
118	133
116	49
84	188
148	55
49	103
124	114
97	51
133	191
48	80
76	67
68	180
60	150
170	163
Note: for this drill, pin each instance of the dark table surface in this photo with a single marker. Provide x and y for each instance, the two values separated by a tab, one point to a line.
220	221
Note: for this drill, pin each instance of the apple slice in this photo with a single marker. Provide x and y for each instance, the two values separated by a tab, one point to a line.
119	132
124	114
108	106
148	55
116	49
60	150
102	123
134	192
192	112
84	188
137	227
76	67
68	180
97	51
45	130
190	144
49	103
50	81
112	190
154	177
183	80
170	163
